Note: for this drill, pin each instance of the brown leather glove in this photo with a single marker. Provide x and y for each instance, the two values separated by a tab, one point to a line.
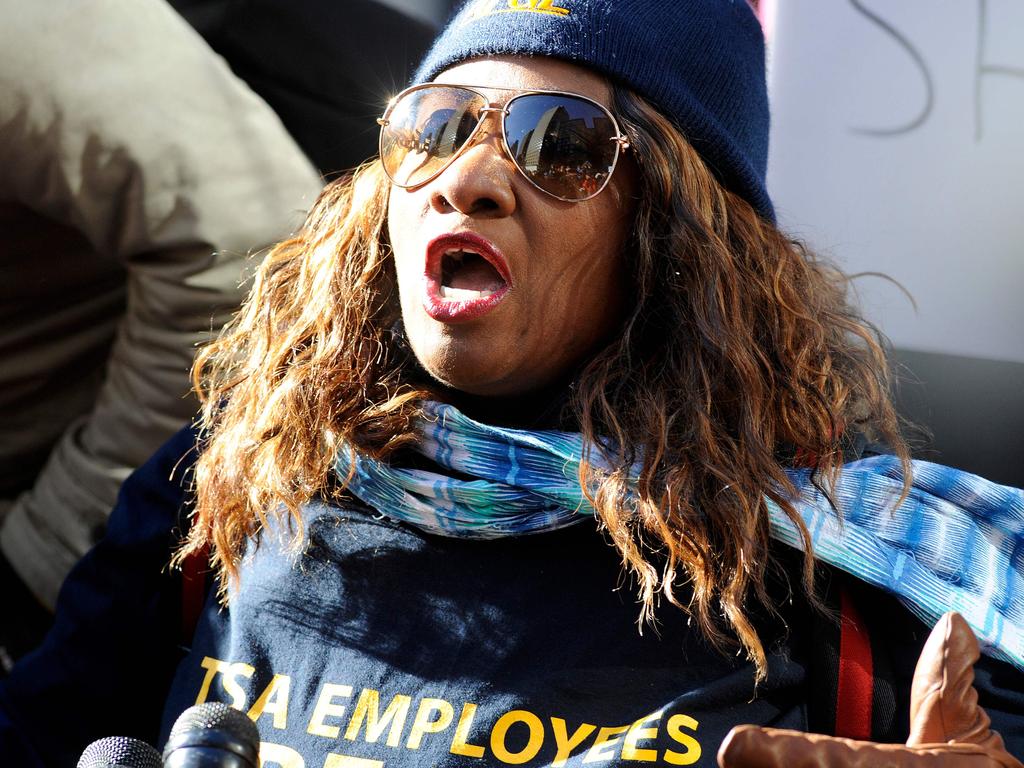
947	727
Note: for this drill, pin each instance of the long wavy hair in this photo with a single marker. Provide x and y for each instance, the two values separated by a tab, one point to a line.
741	355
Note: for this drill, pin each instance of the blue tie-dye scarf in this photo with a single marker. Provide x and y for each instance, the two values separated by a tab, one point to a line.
956	543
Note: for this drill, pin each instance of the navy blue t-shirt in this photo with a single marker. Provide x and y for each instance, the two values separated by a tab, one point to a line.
386	644
380	645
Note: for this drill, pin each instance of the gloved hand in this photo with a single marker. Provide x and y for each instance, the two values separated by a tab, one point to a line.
947	727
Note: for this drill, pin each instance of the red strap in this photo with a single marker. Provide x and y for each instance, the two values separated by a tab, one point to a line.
856	674
193	593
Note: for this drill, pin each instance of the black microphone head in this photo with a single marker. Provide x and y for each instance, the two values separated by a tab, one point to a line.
222	735
119	752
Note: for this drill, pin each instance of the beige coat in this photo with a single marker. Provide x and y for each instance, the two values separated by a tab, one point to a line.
136	174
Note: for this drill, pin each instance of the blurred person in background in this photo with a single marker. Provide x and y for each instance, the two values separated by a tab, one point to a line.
137	174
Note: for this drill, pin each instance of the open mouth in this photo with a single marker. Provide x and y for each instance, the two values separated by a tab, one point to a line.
468	276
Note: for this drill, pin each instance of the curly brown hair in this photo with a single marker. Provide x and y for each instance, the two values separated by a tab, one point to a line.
741	355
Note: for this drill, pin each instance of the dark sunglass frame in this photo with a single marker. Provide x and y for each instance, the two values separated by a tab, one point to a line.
491	107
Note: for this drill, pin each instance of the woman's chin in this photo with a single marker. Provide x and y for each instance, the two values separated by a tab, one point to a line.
471	380
490	365
460	359
478	372
488	359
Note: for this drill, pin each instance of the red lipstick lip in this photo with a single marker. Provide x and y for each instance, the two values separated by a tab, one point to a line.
448	310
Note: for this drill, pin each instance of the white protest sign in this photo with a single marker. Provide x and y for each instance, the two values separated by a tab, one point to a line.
898	147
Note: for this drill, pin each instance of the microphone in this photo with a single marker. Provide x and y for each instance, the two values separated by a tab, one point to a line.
119	752
212	735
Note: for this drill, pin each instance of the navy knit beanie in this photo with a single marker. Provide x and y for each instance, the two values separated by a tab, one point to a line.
701	62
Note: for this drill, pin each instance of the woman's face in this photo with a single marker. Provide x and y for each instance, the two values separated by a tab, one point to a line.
565	281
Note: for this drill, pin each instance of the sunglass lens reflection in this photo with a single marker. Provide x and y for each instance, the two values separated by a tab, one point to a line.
563	144
425	128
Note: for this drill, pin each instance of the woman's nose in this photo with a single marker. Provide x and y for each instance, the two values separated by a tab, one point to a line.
478	182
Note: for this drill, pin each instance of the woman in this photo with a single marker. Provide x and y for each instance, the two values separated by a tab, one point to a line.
559	296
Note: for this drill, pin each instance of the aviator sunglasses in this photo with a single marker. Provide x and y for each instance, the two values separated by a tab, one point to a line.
564	144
